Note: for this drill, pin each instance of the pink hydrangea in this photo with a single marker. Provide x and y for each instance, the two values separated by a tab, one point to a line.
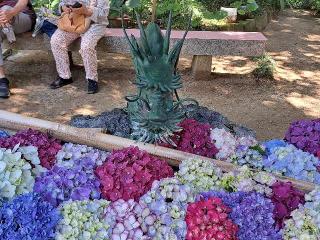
129	173
125	219
208	219
194	138
48	147
285	198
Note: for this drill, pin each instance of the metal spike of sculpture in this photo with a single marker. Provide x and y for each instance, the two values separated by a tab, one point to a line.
154	111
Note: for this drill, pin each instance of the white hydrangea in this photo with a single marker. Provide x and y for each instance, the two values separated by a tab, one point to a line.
202	175
301	226
225	142
244	179
83	220
313	205
17	175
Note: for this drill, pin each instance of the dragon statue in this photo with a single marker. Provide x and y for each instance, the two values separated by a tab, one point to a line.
156	109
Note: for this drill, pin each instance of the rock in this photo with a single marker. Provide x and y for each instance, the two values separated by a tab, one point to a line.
117	122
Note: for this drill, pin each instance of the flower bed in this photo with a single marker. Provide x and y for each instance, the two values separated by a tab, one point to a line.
208	133
128	194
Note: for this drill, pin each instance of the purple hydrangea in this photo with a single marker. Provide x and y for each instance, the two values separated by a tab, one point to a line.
305	135
75	183
251	211
28	216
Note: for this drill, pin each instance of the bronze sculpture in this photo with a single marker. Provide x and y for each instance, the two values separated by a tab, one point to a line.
156	109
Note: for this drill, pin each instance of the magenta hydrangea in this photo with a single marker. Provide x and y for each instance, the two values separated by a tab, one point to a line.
251	211
194	138
48	147
305	135
129	173
285	199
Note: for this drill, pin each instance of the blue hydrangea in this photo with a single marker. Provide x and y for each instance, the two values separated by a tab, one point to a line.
293	162
272	144
250	155
251	211
27	217
4	134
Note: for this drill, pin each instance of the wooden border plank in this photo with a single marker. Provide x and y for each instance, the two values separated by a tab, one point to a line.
103	141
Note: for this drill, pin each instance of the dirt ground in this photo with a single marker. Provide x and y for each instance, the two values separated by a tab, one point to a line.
266	106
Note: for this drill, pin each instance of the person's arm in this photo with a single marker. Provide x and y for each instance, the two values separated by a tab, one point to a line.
63	7
7	15
101	10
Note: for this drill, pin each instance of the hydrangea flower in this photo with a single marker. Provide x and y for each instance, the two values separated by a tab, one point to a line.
126	219
251	211
61	183
272	144
47	147
285	199
208	219
227	144
313	205
194	138
168	200
244	179
28	216
292	162
301	226
305	135
71	152
129	173
249	155
202	175
3	134
17	174
83	220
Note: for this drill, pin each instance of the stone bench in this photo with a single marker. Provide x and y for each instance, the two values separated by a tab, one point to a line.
202	45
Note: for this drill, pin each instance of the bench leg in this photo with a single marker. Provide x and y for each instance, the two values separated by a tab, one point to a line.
201	67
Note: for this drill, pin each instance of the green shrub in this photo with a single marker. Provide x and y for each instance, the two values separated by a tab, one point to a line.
214	5
315	5
50	4
245	7
265	68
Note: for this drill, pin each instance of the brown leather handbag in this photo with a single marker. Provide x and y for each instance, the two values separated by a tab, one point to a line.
74	23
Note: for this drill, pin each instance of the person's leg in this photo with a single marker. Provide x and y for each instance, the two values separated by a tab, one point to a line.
2	75
4	82
20	23
60	41
88	52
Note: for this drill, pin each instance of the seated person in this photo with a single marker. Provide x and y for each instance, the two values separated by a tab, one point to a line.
19	16
97	11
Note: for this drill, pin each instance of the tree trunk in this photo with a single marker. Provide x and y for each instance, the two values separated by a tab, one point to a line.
154	11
